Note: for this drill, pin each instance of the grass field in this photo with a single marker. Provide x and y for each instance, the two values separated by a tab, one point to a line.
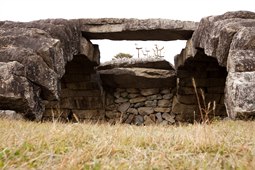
220	145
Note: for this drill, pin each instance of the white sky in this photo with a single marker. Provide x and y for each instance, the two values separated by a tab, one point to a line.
192	10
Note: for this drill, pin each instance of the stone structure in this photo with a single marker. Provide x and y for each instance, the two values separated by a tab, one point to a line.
50	64
229	40
139	92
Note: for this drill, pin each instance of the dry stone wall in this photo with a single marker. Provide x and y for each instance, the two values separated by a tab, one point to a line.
81	93
141	106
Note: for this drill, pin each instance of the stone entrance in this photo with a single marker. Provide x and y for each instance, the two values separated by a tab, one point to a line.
209	77
81	92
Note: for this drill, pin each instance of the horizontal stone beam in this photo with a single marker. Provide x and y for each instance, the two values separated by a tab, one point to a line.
135	29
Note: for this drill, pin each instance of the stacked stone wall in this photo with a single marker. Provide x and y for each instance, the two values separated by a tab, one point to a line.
140	106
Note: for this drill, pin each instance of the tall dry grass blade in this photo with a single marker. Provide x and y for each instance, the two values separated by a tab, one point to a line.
214	108
203	97
198	100
76	117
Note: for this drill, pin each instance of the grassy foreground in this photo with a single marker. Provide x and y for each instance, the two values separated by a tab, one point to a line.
221	145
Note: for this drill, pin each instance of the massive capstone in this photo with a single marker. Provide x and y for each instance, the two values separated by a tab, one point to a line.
135	29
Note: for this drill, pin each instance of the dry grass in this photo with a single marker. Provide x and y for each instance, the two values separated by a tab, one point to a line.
220	145
128	61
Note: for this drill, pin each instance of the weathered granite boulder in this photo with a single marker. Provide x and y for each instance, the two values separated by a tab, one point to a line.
230	39
135	29
40	50
126	75
16	91
219	35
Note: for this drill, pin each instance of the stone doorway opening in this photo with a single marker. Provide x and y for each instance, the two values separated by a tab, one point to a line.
209	76
81	92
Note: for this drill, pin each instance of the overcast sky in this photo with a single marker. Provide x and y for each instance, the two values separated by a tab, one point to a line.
192	10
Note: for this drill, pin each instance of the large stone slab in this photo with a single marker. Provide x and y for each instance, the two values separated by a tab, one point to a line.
138	77
135	29
149	73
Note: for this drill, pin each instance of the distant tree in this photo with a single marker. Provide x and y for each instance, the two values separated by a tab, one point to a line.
122	55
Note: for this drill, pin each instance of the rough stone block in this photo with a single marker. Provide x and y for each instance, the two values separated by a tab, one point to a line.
145	110
162	109
159	117
241	61
148	92
165	91
137	105
132	110
116	94
153	117
137	100
120	100
168	96
138	120
123	107
151	103
154	97
164	103
168	117
240	93
130	119
133	95
148	121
